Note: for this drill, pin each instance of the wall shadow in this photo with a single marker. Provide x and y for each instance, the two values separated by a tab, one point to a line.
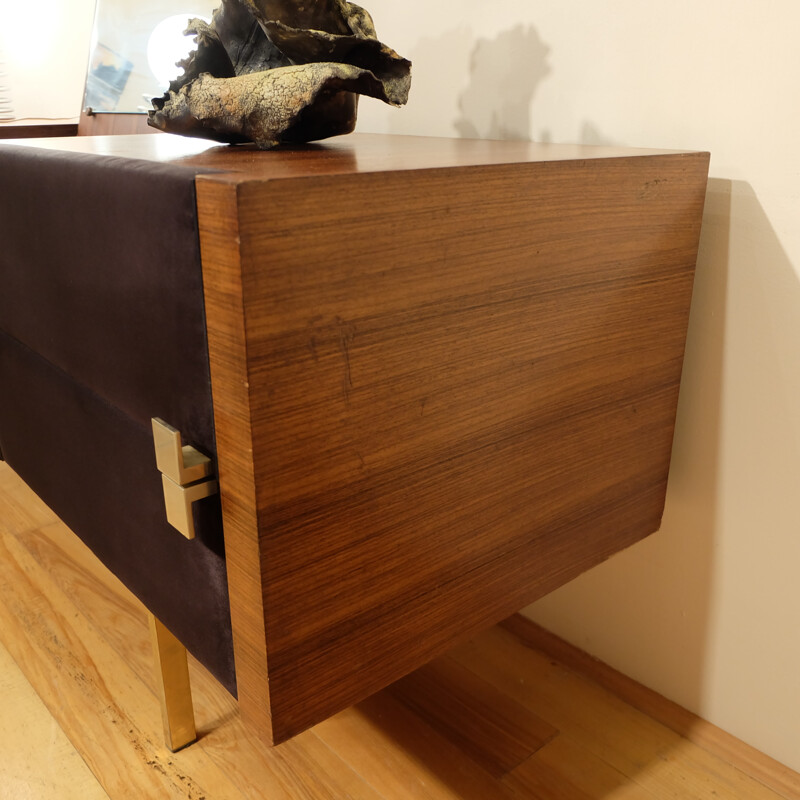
751	687
438	66
677	578
647	611
505	73
591	135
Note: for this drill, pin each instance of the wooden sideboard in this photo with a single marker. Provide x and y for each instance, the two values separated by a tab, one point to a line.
444	376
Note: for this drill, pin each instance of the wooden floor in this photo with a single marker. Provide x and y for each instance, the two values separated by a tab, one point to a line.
493	719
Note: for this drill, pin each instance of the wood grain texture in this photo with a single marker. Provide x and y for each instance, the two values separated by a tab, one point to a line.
85	663
347	155
603	727
28	129
84	643
230	380
563	770
496	733
454	389
399	752
38	762
767	770
81	639
111	124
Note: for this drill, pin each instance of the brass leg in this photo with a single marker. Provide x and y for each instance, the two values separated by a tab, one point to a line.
172	680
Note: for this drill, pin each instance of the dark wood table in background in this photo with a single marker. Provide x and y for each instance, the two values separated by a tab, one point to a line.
34	129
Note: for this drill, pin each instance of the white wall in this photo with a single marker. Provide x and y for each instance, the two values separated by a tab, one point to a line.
46	48
707	611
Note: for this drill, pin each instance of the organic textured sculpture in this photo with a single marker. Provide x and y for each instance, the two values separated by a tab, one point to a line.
271	71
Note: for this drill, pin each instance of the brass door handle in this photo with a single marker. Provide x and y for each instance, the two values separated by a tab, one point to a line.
186	476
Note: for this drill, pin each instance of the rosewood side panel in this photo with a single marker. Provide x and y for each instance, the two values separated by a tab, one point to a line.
439	394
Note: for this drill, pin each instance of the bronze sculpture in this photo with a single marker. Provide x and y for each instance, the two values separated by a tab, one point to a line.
272	71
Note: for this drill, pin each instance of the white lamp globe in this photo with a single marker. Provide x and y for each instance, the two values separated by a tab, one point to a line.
167	45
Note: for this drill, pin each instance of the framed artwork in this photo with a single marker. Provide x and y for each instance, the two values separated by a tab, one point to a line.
107	78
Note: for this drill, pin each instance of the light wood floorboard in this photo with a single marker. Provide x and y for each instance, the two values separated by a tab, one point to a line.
38	762
495	719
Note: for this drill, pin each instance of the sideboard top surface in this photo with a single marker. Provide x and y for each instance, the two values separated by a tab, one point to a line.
357	153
